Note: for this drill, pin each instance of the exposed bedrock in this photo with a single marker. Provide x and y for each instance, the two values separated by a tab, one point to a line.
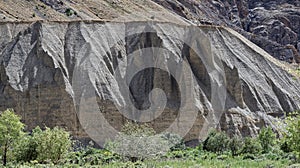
272	25
92	77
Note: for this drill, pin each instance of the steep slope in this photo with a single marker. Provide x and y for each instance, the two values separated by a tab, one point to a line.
71	10
272	25
91	77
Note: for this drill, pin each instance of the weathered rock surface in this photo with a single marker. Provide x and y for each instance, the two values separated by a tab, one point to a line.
272	25
46	68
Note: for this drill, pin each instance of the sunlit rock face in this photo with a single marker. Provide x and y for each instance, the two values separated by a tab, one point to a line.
92	77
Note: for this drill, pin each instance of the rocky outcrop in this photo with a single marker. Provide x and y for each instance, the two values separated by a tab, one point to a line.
91	77
272	25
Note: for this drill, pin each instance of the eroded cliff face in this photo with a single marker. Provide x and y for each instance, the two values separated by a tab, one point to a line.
171	76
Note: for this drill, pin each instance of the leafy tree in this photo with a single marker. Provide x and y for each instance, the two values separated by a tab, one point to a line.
251	146
267	139
52	144
216	141
11	128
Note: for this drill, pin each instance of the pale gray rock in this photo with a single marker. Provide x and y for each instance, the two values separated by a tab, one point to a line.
207	76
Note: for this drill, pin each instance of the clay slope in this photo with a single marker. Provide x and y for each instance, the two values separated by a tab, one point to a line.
87	76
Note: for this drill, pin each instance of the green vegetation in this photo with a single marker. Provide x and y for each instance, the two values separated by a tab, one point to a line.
10	129
53	144
235	145
267	139
251	146
25	149
217	142
298	71
70	12
291	132
50	145
215	163
138	145
295	71
138	142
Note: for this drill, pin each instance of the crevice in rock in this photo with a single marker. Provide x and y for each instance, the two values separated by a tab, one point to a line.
282	97
233	85
199	70
250	98
74	41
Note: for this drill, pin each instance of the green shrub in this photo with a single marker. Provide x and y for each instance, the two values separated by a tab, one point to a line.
52	144
75	157
235	145
135	129
291	138
249	156
69	12
284	146
25	149
267	139
271	156
175	154
208	155
193	153
187	153
251	146
138	142
174	140
92	156
216	142
137	164
222	157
